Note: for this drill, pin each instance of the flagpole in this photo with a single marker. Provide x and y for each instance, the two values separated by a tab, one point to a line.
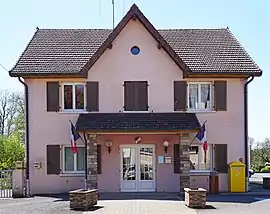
197	132
85	163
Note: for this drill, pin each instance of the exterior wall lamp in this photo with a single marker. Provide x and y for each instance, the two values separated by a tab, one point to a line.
109	146
166	145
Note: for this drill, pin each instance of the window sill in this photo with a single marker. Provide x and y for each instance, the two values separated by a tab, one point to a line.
71	175
197	111
136	111
73	112
200	172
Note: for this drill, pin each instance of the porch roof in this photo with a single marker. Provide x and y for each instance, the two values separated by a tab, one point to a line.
137	122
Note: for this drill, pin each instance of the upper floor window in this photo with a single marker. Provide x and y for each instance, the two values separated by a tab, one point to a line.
70	97
135	96
199	96
73	96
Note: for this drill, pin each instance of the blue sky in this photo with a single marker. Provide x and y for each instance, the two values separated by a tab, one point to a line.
248	20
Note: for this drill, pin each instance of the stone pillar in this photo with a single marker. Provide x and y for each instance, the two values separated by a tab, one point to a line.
184	161
92	161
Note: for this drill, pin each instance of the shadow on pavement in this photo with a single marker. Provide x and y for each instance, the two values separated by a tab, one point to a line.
57	197
95	208
207	207
141	196
230	199
165	197
123	196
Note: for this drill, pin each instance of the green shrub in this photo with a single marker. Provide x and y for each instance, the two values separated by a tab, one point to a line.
266	169
257	167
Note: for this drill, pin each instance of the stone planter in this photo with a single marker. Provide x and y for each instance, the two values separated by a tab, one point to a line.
83	199
195	198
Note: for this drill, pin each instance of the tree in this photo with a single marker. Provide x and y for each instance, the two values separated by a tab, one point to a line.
12	114
12	126
262	151
11	150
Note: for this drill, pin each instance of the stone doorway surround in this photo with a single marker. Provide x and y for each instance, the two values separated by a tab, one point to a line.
184	178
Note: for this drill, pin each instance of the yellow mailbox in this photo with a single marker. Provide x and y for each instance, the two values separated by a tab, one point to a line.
237	180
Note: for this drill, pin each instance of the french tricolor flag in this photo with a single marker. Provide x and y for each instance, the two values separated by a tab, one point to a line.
201	136
74	136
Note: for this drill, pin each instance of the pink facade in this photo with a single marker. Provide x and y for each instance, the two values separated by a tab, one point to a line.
115	66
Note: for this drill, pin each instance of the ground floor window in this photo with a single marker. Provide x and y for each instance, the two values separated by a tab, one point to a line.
198	159
73	163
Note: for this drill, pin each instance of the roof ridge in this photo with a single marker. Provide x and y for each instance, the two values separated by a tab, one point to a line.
210	28
192	29
75	29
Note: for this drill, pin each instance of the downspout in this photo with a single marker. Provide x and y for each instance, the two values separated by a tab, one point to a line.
246	130
26	136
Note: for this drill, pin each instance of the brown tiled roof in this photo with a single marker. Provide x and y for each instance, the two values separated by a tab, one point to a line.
59	51
128	122
209	50
74	51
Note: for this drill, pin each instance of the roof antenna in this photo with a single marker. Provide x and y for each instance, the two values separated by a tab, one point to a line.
113	12
100	8
123	8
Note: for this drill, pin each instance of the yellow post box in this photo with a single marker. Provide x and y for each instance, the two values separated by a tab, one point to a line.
237	180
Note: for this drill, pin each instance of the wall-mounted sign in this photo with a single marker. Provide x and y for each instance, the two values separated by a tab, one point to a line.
160	159
168	160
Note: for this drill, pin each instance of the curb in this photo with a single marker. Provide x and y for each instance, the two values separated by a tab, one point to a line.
247	194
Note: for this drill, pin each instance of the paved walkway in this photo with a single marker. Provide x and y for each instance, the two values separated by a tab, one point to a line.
169	205
49	205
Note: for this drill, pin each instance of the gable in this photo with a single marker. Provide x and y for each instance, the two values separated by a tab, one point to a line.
151	62
135	14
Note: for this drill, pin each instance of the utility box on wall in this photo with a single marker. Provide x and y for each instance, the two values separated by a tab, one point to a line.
37	165
237	178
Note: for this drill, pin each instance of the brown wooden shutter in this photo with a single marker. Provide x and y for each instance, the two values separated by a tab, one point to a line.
92	96
220	158
99	159
176	158
180	95
53	159
141	96
220	95
52	96
129	96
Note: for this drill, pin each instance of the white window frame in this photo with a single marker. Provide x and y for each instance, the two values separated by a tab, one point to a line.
199	96
75	161
201	155
73	97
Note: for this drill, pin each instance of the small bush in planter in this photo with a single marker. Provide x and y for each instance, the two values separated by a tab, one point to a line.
266	169
257	167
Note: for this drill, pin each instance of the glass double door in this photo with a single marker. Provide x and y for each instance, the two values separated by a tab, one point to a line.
138	168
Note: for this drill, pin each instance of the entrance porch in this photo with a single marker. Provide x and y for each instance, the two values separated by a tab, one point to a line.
132	152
